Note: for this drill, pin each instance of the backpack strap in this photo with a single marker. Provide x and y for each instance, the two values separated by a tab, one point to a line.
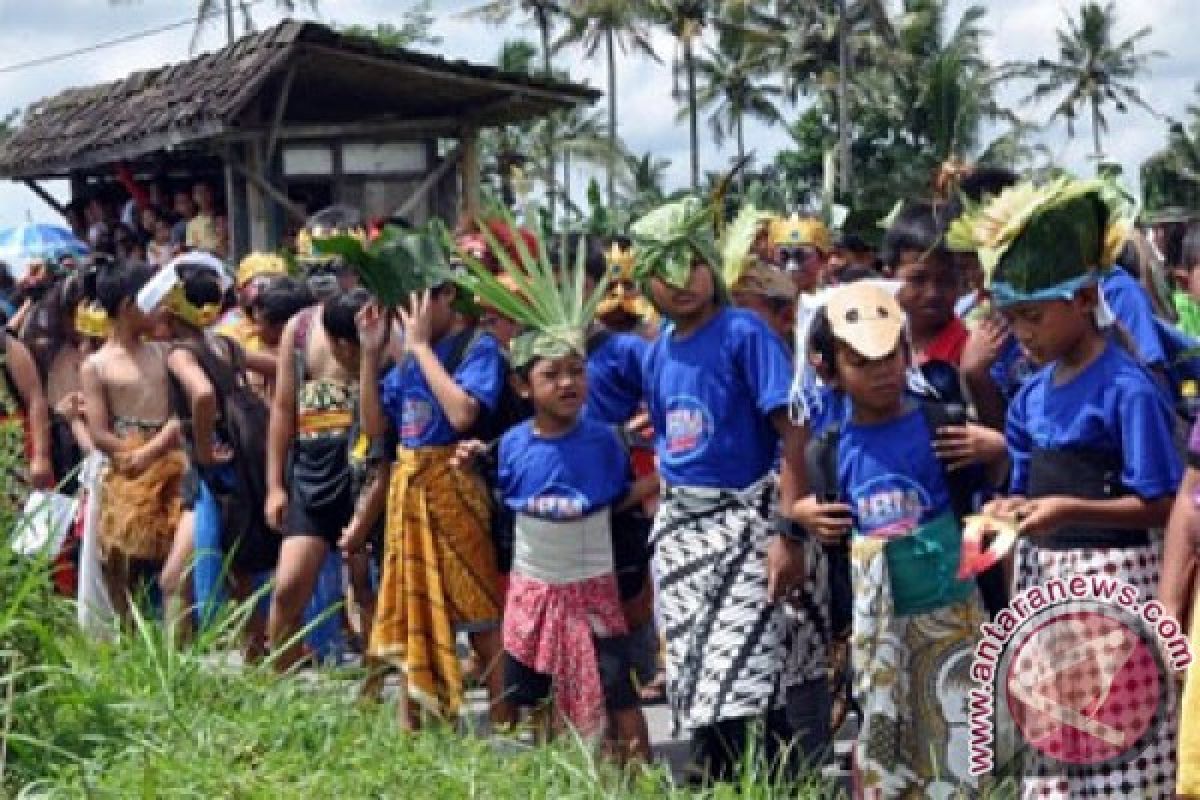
958	482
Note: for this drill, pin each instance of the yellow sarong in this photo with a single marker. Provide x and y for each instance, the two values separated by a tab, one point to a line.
439	573
139	515
1189	726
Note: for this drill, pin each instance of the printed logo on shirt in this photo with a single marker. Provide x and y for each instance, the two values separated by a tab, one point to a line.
416	416
689	428
890	505
557	502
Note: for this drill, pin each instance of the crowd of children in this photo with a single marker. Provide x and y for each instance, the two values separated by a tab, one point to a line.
732	447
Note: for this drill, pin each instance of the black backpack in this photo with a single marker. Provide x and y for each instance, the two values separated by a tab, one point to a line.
245	419
820	461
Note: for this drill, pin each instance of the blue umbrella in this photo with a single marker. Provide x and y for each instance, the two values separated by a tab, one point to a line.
30	242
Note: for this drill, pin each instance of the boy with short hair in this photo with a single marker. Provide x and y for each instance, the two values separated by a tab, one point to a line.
914	247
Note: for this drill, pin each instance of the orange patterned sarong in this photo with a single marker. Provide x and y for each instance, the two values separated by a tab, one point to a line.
439	574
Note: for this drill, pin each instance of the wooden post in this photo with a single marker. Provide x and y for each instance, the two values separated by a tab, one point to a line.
468	171
233	209
257	203
428	182
47	198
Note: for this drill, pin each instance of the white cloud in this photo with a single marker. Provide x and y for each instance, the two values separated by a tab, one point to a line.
1022	29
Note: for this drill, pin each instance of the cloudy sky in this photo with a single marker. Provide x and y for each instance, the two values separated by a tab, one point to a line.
1020	29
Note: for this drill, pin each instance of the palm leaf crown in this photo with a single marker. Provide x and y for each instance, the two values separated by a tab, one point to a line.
552	304
397	262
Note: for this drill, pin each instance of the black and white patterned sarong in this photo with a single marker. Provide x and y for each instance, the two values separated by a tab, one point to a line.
727	648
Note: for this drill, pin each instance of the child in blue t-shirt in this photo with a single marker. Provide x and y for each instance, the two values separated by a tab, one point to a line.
439	545
716	383
1090	438
914	622
563	474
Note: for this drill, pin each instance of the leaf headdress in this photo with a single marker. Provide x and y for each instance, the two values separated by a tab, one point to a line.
552	304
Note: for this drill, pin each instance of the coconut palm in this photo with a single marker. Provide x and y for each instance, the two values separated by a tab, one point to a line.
685	20
209	9
612	24
544	14
1093	70
735	85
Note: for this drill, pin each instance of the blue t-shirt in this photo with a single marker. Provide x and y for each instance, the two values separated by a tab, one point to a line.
889	475
1131	306
710	395
567	477
414	410
1114	405
614	373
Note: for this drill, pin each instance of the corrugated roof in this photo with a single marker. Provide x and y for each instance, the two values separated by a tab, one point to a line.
339	78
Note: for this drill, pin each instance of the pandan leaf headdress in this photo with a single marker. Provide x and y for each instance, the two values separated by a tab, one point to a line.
668	239
397	262
1045	242
551	304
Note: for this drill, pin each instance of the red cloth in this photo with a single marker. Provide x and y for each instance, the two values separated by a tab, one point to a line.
550	628
141	197
948	345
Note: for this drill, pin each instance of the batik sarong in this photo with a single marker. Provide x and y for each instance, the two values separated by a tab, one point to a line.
911	679
1149	775
439	574
727	647
1189	727
139	513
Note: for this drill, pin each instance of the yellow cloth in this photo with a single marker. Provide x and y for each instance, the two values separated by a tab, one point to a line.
138	515
202	233
243	331
439	571
1189	726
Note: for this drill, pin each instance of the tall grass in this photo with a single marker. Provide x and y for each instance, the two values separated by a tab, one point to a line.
145	718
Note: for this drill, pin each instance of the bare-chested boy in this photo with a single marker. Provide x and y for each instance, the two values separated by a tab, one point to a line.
126	400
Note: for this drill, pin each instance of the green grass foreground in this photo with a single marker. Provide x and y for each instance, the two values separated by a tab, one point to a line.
146	719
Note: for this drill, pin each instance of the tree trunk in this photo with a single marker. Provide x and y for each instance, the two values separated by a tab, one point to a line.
689	65
229	32
1097	151
567	180
543	21
610	178
843	109
741	151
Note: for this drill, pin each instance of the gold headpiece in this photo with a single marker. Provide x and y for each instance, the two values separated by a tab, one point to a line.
92	321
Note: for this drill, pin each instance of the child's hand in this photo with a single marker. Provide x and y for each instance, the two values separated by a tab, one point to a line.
964	445
371	321
785	567
1004	507
354	537
70	406
417	320
41	473
984	345
466	452
135	462
829	522
276	507
1043	514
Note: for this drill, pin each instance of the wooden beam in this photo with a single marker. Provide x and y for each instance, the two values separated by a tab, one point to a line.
428	182
47	198
563	98
285	92
237	247
468	171
265	186
406	127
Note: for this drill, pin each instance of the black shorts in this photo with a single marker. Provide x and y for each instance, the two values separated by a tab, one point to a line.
631	551
526	687
321	497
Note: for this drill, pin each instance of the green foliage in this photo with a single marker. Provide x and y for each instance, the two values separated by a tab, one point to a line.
397	262
415	29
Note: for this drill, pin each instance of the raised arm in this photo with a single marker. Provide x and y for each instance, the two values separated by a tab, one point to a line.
29	387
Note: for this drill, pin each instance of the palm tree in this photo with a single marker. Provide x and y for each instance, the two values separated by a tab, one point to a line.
647	175
544	13
613	24
580	137
1093	70
685	19
734	87
207	9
